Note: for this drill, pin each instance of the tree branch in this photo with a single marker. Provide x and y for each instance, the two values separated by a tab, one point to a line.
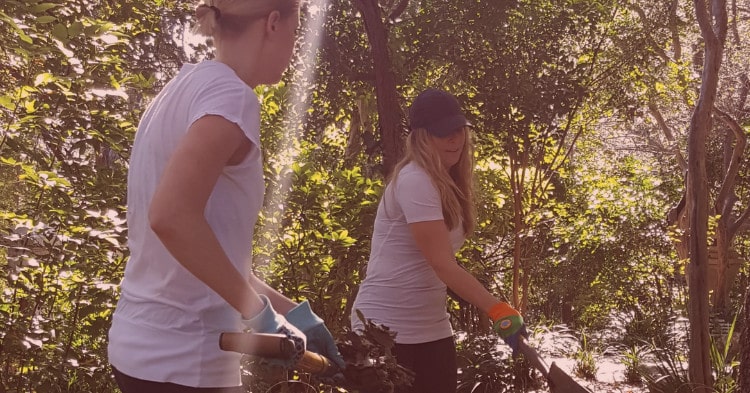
723	204
744	90
674	21
704	20
721	20
656	113
735	18
400	8
656	47
740	220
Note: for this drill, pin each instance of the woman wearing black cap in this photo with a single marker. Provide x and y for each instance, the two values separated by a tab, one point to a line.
424	216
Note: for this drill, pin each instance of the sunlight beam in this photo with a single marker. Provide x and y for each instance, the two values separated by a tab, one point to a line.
302	83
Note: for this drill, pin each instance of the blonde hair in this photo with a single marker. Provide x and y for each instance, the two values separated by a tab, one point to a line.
456	186
230	17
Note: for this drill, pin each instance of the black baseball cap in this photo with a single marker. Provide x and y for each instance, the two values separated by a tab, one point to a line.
438	112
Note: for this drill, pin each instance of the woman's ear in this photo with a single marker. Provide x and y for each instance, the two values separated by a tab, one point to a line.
272	22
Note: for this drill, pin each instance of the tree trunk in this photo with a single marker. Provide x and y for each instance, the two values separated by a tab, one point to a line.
712	19
744	378
518	227
722	274
699	366
390	115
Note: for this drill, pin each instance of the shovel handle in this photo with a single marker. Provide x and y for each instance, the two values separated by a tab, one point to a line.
276	346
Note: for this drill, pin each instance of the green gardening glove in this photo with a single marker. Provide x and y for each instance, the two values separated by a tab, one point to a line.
507	322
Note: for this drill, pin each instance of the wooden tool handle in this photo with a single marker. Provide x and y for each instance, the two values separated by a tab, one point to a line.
533	357
276	346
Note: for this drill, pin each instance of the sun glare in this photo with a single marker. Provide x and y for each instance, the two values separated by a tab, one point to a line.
303	80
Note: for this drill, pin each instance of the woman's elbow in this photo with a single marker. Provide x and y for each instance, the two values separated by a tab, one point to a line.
445	272
162	221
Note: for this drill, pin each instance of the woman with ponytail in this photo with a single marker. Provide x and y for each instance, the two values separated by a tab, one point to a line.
424	216
195	189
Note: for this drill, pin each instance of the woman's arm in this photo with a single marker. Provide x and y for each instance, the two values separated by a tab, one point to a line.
433	240
280	303
176	214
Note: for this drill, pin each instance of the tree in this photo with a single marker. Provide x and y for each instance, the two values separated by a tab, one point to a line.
390	117
712	19
71	87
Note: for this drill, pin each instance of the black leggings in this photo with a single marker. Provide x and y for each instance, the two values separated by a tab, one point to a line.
129	384
434	364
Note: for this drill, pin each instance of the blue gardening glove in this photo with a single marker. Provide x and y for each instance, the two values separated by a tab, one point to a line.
269	321
318	337
508	324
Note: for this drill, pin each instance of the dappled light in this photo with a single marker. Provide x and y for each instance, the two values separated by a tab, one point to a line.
611	183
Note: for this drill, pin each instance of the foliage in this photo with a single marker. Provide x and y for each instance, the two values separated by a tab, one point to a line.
370	366
634	358
724	362
662	366
585	366
670	374
606	234
569	100
483	368
315	246
70	90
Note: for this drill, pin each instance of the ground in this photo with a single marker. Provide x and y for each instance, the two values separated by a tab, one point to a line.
559	347
610	376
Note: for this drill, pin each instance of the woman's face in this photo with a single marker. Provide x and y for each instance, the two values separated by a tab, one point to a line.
282	46
450	147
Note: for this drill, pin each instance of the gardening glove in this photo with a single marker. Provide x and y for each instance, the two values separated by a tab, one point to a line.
319	338
508	324
269	321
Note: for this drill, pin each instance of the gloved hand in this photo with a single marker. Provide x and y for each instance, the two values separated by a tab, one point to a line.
319	339
269	321
508	324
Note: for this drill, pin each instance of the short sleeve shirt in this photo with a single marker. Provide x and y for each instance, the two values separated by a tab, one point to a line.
167	323
400	289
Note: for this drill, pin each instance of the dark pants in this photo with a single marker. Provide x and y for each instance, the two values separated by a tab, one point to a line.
129	384
434	364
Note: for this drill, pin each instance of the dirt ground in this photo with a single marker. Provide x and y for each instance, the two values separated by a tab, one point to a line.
610	376
559	347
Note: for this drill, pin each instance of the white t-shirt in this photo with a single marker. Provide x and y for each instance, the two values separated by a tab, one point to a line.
400	289
167	323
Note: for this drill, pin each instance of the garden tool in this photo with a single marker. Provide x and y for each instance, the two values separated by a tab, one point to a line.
275	346
559	381
375	376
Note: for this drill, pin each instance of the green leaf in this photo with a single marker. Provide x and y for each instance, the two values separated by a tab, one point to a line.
43	79
7	102
75	29
25	38
44	19
30	106
39	8
60	32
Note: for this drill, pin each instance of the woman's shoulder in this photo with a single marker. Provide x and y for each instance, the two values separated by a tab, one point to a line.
217	82
413	177
412	171
215	75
